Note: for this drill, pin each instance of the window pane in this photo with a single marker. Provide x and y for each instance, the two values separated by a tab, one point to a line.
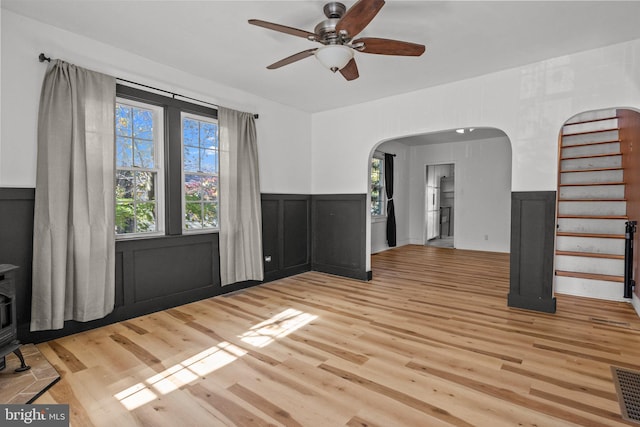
208	161
138	192
200	169
190	132
209	188
142	124
124	186
192	188
123	120
193	215
145	217
124	218
124	152
376	186
145	186
191	160
210	215
208	135
143	154
375	203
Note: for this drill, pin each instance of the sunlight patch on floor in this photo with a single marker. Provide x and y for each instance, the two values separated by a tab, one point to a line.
179	375
212	359
278	326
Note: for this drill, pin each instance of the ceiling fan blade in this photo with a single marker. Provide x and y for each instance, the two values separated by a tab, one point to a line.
283	29
350	71
359	16
389	47
293	58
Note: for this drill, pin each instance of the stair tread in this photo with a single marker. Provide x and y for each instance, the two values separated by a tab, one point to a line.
590	254
593	216
591	156
590	235
584	144
591	131
616	168
586	184
592	276
591	121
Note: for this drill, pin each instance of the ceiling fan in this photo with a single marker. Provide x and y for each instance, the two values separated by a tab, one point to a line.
336	35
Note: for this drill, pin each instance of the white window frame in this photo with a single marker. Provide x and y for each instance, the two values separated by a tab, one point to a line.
207	119
158	152
383	195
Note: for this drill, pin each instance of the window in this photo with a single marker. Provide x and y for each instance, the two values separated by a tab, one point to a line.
166	165
199	172
139	169
378	199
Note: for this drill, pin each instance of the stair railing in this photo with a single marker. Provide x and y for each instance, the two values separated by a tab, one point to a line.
629	283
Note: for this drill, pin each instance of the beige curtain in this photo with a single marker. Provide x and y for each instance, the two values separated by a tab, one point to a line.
240	211
73	242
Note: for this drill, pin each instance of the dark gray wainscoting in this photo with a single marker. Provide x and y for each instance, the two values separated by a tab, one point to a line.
338	233
299	231
286	234
16	247
155	274
533	223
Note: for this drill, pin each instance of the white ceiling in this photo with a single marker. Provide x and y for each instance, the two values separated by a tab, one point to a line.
212	39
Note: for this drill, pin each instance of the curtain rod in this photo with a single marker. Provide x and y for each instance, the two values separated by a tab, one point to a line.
43	58
382	152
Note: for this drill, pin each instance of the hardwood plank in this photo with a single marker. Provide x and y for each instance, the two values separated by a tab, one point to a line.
67	357
264	405
404	398
428	341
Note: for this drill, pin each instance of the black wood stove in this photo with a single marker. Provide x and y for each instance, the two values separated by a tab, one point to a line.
8	324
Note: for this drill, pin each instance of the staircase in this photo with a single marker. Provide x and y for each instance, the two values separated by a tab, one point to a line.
592	209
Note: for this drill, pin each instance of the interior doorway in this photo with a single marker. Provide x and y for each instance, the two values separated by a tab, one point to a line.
439	205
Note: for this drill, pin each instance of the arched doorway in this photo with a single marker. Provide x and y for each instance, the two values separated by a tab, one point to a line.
482	187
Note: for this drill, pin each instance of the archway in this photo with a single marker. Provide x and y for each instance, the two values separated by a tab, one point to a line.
482	158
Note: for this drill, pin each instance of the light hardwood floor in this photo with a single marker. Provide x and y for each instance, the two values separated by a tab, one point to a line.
428	342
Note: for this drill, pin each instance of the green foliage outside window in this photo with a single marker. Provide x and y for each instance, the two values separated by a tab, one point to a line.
136	178
200	168
376	186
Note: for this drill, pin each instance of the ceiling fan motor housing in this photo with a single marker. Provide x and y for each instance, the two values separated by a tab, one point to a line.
334	10
326	30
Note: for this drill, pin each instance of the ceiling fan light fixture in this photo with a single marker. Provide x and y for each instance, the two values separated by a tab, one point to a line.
334	57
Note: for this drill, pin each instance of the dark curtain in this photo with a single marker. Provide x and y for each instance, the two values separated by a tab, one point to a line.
391	213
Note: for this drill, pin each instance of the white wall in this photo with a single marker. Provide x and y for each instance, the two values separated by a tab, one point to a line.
528	103
482	191
283	132
0	93
400	199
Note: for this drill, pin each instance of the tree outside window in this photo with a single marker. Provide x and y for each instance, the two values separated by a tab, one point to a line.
138	169
200	172
377	186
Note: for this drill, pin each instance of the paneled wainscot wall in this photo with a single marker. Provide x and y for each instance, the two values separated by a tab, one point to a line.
300	233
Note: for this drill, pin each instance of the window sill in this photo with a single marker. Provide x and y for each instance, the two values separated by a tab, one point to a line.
200	231
125	237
